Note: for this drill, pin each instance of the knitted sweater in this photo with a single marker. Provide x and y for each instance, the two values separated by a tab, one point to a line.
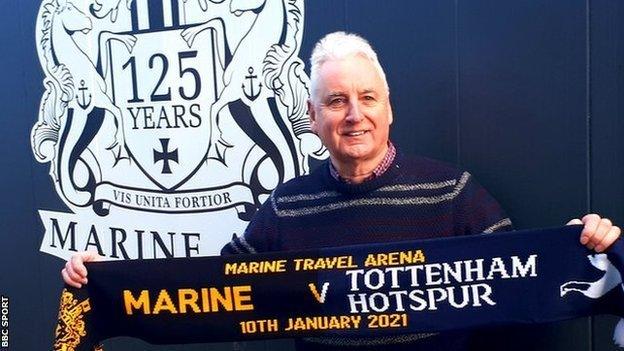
416	198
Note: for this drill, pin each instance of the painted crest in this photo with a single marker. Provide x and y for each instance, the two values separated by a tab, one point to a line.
170	112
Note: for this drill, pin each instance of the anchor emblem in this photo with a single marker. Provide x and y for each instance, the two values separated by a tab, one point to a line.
84	104
251	96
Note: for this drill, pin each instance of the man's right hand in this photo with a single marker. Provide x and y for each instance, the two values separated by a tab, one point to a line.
75	272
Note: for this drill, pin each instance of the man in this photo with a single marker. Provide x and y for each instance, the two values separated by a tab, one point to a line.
368	191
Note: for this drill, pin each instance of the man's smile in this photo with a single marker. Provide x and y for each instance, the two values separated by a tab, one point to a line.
355	133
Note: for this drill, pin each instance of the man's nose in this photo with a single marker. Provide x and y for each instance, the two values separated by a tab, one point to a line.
354	115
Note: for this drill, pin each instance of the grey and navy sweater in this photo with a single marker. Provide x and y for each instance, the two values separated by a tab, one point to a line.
416	198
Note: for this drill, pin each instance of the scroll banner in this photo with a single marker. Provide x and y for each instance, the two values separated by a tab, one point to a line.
436	285
200	200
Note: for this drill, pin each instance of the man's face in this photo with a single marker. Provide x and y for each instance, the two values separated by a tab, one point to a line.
351	111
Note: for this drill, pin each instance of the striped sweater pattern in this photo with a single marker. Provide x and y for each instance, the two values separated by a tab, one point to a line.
416	198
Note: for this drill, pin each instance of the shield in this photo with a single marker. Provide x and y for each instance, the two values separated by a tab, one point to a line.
165	90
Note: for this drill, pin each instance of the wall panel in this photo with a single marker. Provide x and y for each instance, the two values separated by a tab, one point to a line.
527	95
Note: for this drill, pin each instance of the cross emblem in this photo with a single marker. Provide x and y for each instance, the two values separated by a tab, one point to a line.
165	156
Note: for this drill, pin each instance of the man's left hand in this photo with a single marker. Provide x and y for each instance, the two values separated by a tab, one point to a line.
598	233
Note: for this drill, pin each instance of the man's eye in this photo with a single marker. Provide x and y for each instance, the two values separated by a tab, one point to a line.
369	99
336	102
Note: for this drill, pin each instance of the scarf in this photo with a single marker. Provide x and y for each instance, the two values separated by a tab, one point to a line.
436	285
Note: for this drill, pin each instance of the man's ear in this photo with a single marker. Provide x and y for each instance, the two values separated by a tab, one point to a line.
312	114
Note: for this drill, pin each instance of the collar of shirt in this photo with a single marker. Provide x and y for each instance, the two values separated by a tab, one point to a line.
381	168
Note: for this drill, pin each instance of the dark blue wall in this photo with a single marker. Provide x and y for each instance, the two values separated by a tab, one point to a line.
528	95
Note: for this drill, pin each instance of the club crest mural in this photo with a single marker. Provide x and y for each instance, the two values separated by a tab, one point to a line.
166	123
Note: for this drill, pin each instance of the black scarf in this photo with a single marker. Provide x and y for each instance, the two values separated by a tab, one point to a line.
530	276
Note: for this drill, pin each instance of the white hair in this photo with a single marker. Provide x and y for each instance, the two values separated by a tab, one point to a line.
337	46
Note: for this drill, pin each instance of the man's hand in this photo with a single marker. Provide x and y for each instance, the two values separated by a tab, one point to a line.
598	233
75	272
